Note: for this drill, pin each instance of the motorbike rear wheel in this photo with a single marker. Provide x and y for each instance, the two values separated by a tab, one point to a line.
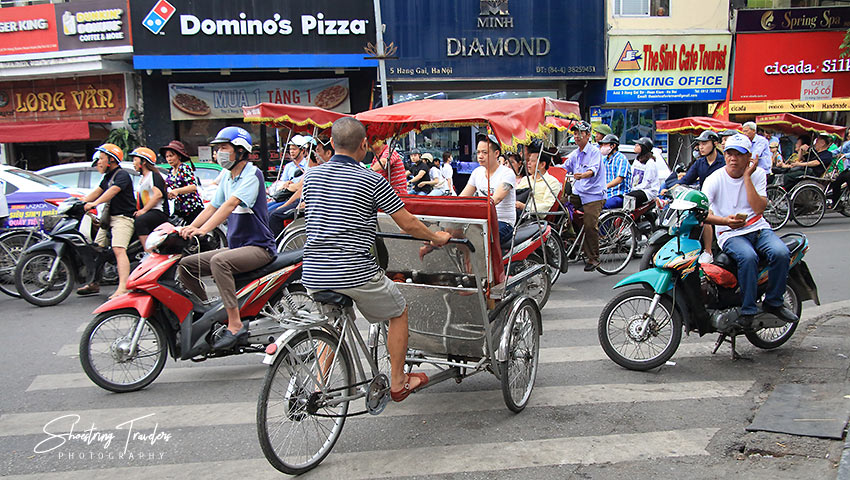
768	338
105	357
293	438
33	282
620	335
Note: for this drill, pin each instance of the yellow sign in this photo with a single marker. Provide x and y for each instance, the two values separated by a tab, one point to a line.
789	106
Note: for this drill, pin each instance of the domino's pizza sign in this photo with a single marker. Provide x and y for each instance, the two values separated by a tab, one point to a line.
206	34
158	16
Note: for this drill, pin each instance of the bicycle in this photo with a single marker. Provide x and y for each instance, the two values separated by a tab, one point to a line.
13	243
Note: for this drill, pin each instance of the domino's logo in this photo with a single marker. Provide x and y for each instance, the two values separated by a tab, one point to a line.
158	16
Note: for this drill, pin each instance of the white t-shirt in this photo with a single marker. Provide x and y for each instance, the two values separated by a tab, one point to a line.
448	172
146	191
506	209
661	164
728	196
436	174
645	177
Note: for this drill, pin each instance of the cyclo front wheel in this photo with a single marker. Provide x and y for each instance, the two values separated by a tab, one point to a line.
626	342
519	370
778	209
298	419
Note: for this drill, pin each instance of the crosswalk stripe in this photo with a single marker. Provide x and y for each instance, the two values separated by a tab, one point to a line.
182	416
436	460
549	325
246	372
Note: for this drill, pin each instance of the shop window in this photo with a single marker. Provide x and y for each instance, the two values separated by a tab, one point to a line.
642	8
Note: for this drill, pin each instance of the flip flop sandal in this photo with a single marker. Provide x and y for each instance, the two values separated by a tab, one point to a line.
400	395
88	290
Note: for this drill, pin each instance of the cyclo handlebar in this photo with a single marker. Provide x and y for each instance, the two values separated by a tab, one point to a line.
404	236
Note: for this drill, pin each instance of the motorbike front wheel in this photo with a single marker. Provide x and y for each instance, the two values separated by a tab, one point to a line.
105	351
623	337
34	281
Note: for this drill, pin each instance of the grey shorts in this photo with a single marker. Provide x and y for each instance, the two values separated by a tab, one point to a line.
378	299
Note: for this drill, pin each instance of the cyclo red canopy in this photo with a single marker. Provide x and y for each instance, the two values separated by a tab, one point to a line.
794	125
298	118
695	125
514	121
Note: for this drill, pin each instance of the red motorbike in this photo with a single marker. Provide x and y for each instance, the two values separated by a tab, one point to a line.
123	349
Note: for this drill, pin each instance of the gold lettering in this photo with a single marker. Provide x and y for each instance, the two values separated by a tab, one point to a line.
105	95
77	96
32	102
59	101
90	97
45	103
20	107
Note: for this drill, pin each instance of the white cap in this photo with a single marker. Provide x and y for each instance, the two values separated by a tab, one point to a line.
739	142
301	141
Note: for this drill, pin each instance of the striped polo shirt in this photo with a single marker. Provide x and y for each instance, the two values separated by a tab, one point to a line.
342	201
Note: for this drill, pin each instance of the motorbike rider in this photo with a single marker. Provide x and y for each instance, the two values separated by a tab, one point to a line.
708	162
116	191
342	200
153	207
241	200
737	196
618	173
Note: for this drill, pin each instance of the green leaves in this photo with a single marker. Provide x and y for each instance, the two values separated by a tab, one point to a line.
124	138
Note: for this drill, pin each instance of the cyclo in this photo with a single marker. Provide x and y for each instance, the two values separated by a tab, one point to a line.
467	315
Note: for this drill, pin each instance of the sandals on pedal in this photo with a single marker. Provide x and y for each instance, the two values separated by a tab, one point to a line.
400	395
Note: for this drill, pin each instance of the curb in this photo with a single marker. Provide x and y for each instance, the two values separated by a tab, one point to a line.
816	314
844	464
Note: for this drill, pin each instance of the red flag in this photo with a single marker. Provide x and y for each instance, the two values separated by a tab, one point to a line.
721	110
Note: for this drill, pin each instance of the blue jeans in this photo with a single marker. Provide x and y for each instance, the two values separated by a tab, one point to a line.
745	250
438	192
506	231
613	202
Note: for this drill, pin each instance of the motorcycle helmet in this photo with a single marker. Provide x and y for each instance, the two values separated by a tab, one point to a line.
113	151
238	137
145	154
645	144
610	139
691	200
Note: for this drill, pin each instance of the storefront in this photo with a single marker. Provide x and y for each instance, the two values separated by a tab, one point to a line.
789	61
486	49
201	62
65	80
660	77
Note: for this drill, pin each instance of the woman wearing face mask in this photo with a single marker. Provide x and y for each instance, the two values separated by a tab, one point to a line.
618	173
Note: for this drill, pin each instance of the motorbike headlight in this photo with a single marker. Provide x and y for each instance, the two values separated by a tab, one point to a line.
155	239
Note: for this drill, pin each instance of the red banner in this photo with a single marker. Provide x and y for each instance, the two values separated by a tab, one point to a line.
790	66
93	99
28	30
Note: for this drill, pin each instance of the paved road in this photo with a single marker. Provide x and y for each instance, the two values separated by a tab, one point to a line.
588	418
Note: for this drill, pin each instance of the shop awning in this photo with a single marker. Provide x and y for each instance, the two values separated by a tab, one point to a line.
44	132
694	125
794	125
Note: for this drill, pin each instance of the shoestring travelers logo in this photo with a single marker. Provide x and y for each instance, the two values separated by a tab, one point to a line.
628	60
158	16
135	440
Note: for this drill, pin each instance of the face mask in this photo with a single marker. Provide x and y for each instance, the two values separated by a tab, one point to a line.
605	149
224	160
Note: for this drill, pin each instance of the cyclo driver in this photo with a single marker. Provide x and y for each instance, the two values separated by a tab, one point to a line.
342	200
241	200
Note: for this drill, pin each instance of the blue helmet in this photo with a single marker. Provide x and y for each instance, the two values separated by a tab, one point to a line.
239	137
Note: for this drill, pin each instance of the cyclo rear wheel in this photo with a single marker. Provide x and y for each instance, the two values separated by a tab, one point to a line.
617	242
297	430
808	204
519	370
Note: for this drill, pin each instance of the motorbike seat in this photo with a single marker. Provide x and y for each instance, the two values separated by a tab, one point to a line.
523	232
329	297
280	261
793	242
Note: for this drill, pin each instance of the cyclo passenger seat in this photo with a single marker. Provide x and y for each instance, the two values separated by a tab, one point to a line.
329	297
524	232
